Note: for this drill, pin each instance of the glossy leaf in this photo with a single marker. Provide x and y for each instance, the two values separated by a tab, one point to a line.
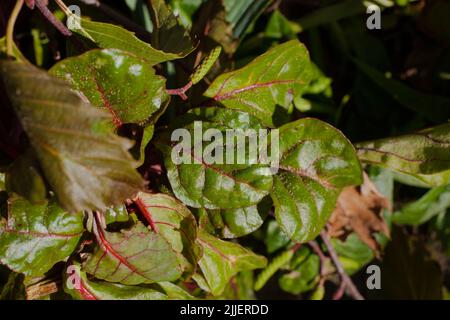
84	163
116	214
35	237
109	36
77	284
222	260
266	87
422	154
132	256
174	292
168	34
117	81
352	252
215	186
316	162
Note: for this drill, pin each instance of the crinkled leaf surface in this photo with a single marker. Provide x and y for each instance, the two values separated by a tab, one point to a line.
266	87
109	36
316	162
168	34
222	260
216	186
423	154
35	237
120	82
85	164
132	256
174	222
234	223
77	284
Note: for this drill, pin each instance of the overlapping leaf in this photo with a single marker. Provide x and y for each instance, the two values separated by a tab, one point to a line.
316	162
222	260
423	154
132	256
117	81
85	164
266	87
214	186
35	237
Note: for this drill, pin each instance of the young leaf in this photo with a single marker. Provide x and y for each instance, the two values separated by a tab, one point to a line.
316	162
168	34
266	87
86	165
133	256
109	36
77	284
210	185
222	260
421	154
35	237
117	81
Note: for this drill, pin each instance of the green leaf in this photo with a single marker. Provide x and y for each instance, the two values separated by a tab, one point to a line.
429	205
35	237
23	177
77	284
109	36
174	222
280	27
132	256
222	260
168	34
214	186
423	154
235	223
266	87
316	162
117	81
14	288
2	181
84	163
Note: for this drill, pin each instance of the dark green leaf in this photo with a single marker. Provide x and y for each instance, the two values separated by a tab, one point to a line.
215	186
316	162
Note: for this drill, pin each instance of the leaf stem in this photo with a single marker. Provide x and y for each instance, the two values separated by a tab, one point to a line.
180	91
51	17
347	282
316	248
10	28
